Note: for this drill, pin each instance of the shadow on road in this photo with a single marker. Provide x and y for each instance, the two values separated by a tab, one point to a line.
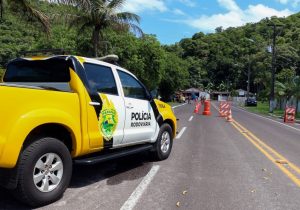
114	172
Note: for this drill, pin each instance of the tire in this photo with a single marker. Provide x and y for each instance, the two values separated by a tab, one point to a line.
159	151
35	161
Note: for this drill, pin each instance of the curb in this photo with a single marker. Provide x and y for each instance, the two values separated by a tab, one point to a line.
281	117
271	115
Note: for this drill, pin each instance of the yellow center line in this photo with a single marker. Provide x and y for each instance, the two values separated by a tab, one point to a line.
288	173
292	165
269	152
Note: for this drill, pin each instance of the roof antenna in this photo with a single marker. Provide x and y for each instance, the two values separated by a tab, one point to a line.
113	59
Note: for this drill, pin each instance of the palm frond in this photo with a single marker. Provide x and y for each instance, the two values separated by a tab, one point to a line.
128	17
83	22
136	29
127	27
129	21
30	10
41	17
116	4
82	4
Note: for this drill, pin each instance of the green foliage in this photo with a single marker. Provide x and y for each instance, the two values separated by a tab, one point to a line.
26	11
175	75
142	56
99	16
15	37
153	63
217	61
221	60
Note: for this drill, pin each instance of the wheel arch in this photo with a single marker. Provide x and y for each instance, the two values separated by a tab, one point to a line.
54	130
59	131
172	124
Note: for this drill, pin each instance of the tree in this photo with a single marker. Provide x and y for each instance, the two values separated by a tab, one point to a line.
1	9
29	9
100	15
175	76
296	90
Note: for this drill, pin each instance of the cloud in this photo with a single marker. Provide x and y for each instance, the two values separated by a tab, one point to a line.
137	6
235	16
188	3
229	5
283	1
178	12
294	3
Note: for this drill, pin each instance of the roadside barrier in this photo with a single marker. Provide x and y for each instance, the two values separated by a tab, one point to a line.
223	108
229	116
206	108
197	108
289	114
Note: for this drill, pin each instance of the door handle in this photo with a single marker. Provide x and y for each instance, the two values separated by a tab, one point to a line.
129	106
93	103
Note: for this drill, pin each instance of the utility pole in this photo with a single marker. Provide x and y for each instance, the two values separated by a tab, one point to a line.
274	63
248	75
249	68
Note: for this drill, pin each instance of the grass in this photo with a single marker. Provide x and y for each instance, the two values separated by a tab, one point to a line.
263	108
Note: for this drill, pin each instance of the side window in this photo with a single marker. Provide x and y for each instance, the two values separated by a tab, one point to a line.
101	78
131	87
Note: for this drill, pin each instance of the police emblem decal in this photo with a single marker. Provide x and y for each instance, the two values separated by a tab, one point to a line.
108	118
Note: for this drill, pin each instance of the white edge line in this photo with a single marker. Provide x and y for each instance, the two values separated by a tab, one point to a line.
267	118
214	106
191	118
137	193
174	107
180	133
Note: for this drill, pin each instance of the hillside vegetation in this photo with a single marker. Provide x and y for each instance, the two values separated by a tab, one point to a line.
217	61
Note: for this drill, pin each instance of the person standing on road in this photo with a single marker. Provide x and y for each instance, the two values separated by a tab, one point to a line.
189	99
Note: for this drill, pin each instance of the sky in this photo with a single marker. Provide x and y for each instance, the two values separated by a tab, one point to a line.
172	20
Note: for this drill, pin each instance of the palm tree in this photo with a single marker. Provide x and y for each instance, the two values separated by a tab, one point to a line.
29	9
100	15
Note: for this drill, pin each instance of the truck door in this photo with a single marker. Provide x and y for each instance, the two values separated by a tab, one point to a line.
108	126
140	122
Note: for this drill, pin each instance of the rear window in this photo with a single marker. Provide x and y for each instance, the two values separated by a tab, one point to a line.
51	70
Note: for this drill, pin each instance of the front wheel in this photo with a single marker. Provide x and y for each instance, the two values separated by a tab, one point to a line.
164	143
45	169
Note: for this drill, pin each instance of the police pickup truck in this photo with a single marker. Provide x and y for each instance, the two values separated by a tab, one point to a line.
60	110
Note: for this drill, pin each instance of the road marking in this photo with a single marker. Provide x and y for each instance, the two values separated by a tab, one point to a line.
293	166
191	118
267	118
290	170
180	133
214	106
137	193
174	107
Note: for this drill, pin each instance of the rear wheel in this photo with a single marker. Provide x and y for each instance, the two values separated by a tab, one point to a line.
164	143
45	169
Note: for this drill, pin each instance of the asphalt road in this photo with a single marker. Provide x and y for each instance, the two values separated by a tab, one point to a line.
251	163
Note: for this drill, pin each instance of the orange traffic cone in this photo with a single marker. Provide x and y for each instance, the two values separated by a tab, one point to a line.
206	108
196	110
229	116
